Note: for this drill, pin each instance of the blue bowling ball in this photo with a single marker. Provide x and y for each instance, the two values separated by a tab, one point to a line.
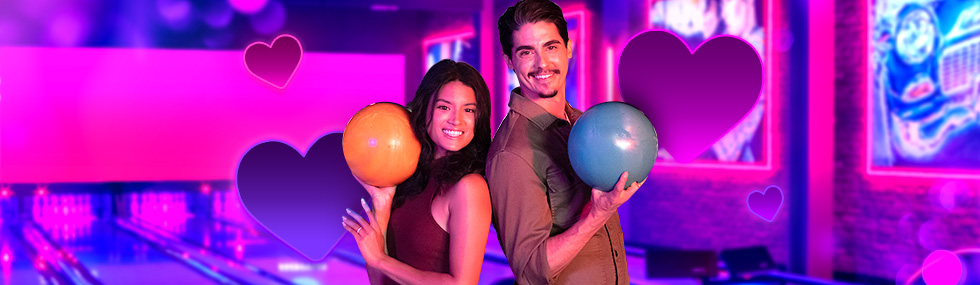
608	139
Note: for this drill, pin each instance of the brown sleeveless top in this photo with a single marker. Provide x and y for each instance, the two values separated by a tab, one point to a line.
415	238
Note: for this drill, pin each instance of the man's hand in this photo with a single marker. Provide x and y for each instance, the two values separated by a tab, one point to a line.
604	204
562	248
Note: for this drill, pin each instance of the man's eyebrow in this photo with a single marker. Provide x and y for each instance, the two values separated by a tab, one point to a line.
552	42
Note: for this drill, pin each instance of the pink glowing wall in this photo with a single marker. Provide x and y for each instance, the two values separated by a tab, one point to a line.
90	115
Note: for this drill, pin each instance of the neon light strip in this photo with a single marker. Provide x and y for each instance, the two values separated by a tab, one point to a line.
768	134
716	165
442	38
583	43
768	82
895	171
609	74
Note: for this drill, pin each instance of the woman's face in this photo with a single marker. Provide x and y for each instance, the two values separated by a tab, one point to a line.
453	116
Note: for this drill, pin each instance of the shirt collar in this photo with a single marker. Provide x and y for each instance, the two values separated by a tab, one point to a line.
538	115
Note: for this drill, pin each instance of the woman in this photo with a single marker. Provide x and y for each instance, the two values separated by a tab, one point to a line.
440	216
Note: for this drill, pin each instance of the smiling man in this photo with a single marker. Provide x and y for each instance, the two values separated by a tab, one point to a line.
551	226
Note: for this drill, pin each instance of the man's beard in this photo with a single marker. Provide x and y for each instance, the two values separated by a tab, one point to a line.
543	95
549	95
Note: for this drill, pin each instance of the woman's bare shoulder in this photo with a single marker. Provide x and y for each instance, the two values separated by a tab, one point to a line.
471	186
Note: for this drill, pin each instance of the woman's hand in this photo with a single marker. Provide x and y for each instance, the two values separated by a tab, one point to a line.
370	239
380	196
381	199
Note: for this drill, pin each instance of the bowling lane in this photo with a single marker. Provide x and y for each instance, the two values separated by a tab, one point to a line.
15	261
118	257
225	230
256	250
109	253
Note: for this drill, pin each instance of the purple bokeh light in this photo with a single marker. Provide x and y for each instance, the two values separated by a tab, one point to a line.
930	234
270	20
949	195
905	273
177	13
248	6
68	29
908	227
217	14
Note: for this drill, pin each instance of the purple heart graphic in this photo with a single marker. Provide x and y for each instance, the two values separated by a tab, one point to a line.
692	98
766	204
299	199
275	64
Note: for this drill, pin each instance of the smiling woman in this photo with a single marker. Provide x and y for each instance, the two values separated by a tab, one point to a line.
452	119
450	116
450	90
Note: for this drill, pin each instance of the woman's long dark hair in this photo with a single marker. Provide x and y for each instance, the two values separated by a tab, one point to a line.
471	158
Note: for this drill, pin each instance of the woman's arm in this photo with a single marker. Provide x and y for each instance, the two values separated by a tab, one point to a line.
381	198
382	212
469	225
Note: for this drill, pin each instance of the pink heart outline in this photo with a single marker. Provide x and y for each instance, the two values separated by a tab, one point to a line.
291	73
782	198
686	156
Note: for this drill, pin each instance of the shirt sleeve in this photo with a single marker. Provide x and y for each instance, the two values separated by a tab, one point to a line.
520	207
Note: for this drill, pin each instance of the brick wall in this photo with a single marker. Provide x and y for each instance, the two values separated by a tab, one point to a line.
883	224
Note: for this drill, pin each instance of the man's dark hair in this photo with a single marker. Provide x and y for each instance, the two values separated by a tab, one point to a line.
529	12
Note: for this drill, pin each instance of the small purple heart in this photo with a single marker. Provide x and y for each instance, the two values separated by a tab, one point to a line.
692	98
766	204
276	63
298	199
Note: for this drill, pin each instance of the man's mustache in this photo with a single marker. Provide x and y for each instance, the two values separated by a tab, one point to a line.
535	73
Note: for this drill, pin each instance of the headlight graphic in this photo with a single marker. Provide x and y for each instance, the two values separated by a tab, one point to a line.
916	34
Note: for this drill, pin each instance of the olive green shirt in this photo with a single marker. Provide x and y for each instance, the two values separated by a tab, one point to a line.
536	194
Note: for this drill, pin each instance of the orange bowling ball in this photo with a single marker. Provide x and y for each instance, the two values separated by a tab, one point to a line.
379	145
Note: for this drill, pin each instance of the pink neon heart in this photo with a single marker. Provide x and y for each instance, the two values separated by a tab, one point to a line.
274	64
693	98
766	204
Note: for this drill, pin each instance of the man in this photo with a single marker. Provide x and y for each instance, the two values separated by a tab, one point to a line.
550	228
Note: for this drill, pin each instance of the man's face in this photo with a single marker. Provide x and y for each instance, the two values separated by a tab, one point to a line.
540	59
